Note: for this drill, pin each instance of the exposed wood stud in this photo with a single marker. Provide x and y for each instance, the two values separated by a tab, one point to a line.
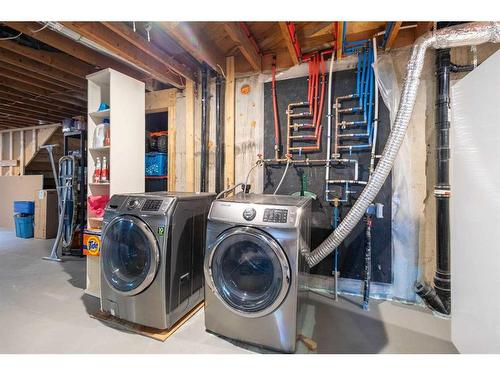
229	122
11	151
171	149
21	156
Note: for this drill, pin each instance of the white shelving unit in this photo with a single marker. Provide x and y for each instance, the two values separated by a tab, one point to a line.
125	154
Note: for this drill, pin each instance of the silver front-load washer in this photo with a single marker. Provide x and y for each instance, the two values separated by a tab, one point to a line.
152	256
255	277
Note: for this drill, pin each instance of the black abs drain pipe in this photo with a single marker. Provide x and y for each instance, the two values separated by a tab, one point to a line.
204	129
439	297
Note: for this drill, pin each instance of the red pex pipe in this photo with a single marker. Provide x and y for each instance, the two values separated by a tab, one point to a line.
320	110
316	89
275	108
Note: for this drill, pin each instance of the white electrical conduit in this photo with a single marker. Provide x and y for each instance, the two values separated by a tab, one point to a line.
460	35
375	110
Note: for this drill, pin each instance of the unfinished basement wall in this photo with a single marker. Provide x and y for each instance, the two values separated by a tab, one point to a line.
249	126
421	133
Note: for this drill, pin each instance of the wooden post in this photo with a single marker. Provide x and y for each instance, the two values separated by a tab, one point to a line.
21	156
171	148
189	135
11	152
229	106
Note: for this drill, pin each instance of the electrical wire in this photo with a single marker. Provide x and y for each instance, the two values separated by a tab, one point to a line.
282	177
11	37
40	29
259	162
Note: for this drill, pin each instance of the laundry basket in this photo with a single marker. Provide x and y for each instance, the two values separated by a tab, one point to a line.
156	164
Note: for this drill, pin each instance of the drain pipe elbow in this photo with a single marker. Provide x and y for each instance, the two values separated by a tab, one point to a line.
431	298
464	34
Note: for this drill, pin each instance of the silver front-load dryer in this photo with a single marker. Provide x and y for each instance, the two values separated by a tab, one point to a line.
254	273
152	256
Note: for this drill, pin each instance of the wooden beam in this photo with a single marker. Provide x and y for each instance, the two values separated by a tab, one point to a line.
289	43
340	38
233	29
42	102
99	34
24	87
23	104
172	135
392	35
21	156
229	122
9	113
33	113
11	151
49	81
75	49
56	60
190	168
138	41
37	67
194	42
160	101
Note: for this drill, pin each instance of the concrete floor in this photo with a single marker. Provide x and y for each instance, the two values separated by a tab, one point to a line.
43	310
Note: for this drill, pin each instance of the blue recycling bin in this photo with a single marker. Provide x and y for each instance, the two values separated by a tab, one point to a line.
24	225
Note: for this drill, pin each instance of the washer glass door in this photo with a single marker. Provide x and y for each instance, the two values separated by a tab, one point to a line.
130	255
249	271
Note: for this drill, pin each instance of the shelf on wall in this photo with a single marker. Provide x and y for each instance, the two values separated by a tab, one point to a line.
156	177
99	184
100	115
99	149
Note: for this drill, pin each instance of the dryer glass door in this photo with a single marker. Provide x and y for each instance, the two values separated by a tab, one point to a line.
130	255
249	271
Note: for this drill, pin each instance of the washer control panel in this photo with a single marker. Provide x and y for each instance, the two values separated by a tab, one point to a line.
249	214
275	215
152	205
133	204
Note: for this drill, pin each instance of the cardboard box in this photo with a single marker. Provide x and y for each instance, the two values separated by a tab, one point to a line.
46	218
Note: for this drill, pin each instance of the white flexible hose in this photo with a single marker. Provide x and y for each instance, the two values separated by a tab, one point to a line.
460	35
282	177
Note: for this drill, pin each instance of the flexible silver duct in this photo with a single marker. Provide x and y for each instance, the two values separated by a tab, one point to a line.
461	35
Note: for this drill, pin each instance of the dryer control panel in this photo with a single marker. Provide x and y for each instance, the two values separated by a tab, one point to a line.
275	215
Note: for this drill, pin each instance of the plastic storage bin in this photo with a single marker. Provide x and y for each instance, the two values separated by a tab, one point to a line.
24	207
156	164
24	226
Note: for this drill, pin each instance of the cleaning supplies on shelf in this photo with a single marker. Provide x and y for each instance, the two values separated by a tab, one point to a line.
97	171
104	171
101	133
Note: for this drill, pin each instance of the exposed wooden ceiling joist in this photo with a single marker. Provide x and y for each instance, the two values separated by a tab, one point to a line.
195	43
42	78
289	43
48	87
21	114
99	34
392	35
75	49
39	101
246	48
57	60
138	41
21	103
24	87
19	108
39	68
